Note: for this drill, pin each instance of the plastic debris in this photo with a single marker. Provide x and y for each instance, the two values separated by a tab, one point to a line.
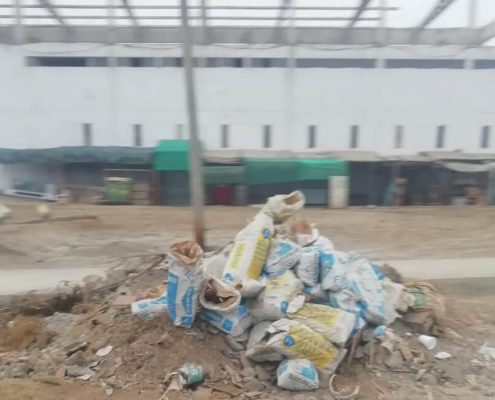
487	350
429	342
344	392
443	355
104	351
187	375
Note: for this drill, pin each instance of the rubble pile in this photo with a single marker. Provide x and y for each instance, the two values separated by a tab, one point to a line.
279	310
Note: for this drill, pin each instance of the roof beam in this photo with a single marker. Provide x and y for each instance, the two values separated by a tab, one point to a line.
359	11
243	35
130	11
487	32
435	12
46	4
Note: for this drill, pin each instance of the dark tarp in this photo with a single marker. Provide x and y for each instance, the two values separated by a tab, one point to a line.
224	175
79	154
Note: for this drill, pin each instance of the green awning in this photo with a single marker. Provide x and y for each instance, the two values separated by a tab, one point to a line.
270	170
224	175
314	169
277	170
171	155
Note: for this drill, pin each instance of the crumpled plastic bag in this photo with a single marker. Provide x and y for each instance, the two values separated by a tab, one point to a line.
295	340
184	280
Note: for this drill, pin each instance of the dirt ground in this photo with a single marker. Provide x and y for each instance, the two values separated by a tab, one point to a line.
377	233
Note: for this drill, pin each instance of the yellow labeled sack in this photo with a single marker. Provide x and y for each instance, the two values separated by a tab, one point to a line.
250	250
295	340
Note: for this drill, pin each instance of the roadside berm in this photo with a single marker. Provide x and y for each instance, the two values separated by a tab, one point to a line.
279	313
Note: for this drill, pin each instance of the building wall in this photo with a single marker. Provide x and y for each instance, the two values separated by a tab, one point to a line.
47	106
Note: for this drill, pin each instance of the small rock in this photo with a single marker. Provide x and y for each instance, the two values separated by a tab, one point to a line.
429	379
236	346
472	381
420	374
18	371
75	347
202	394
85	377
262	374
102	342
395	360
486	391
78	359
75	371
248	373
118	362
108	391
50	380
61	372
60	323
245	362
254	385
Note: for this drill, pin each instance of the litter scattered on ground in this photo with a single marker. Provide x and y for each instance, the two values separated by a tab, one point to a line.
429	342
281	309
443	355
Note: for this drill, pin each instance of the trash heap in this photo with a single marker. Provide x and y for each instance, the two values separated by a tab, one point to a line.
302	303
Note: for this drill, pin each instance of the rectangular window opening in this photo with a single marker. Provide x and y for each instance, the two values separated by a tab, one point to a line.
267	136
312	136
138	135
225	137
440	143
354	137
87	134
399	137
485	137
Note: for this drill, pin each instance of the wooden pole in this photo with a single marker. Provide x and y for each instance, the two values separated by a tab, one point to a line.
195	160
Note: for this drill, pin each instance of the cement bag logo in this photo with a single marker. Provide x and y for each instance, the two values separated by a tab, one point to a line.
289	341
283	248
266	233
187	300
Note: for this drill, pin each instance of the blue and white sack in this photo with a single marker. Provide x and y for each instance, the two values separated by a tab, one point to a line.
147	309
299	374
308	269
185	275
333	269
283	254
234	322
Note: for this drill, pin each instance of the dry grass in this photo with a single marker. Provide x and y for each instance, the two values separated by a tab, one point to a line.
20	333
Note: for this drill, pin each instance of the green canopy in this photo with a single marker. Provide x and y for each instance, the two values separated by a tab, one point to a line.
171	155
314	169
270	170
277	170
224	175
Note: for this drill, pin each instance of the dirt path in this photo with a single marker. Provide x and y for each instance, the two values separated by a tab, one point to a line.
377	233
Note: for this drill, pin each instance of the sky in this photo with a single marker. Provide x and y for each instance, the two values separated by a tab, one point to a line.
409	13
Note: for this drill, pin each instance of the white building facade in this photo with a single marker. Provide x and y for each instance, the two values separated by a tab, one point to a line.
391	100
